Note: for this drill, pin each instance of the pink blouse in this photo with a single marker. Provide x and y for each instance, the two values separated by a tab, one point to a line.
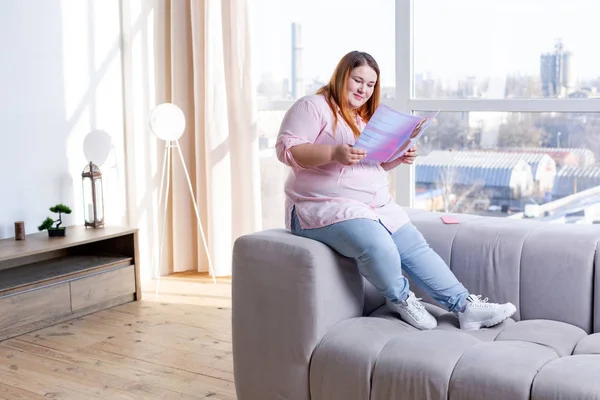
332	192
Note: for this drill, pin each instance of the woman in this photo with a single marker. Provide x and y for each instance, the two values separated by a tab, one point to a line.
336	196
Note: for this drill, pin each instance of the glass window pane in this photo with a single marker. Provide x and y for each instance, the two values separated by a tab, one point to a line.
506	49
272	172
301	42
500	164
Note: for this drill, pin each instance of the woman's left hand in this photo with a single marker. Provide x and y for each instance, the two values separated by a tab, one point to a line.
410	156
407	158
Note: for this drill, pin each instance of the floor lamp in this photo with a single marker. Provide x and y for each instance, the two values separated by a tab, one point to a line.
167	122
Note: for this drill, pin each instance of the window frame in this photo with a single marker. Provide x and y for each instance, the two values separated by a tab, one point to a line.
405	102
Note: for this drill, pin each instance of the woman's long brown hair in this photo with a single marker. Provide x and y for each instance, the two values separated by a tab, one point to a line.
336	91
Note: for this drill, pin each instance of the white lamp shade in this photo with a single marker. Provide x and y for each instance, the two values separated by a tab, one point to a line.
96	147
167	121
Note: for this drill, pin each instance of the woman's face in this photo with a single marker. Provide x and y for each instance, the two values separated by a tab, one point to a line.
360	85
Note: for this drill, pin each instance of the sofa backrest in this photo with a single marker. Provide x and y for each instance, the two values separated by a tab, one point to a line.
547	270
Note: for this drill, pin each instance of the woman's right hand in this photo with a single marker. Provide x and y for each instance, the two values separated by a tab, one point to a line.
347	155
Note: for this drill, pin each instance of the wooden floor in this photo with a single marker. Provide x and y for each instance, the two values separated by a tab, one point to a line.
174	346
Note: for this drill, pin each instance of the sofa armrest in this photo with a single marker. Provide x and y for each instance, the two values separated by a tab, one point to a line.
287	292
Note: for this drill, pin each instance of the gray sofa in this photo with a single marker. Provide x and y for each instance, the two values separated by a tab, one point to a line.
306	325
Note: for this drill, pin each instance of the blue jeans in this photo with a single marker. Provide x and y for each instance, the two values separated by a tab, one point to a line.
381	256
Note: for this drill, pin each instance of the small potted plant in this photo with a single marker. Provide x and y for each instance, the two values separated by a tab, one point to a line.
48	223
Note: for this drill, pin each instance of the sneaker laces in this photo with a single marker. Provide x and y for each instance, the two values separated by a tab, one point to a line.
414	307
477	301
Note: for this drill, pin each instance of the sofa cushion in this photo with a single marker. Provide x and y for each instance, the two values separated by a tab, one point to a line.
486	258
419	365
568	378
558	284
498	371
342	363
558	336
382	356
588	345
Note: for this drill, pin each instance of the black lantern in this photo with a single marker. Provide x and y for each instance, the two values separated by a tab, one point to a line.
93	197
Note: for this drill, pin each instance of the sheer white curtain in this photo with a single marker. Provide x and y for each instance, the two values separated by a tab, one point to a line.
202	64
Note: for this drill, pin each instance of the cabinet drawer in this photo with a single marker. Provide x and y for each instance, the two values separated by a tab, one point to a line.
19	311
101	287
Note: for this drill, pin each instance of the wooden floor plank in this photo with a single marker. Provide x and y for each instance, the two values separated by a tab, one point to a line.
11	392
40	369
44	389
176	345
117	376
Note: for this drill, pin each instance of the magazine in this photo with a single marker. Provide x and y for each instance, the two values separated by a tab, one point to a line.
390	133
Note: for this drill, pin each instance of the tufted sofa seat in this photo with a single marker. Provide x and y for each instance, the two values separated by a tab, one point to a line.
306	325
391	360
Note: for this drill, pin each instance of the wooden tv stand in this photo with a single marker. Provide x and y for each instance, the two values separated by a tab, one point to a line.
45	281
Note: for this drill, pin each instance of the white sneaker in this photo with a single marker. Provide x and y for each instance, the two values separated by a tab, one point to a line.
478	313
412	311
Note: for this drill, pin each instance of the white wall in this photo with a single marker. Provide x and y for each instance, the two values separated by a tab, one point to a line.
60	78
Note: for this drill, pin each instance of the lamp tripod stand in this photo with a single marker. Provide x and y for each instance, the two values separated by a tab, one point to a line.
172	142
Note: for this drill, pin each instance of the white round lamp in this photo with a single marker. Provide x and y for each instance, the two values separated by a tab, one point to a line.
97	146
167	122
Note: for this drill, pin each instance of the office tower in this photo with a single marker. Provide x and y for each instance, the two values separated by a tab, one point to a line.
297	47
556	72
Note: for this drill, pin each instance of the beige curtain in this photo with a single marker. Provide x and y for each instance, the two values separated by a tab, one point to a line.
203	66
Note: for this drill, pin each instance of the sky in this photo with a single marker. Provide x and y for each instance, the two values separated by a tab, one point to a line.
451	37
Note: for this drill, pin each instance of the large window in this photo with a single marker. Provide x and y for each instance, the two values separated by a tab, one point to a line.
516	82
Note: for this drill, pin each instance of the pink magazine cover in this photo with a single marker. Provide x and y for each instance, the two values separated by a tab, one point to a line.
390	133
